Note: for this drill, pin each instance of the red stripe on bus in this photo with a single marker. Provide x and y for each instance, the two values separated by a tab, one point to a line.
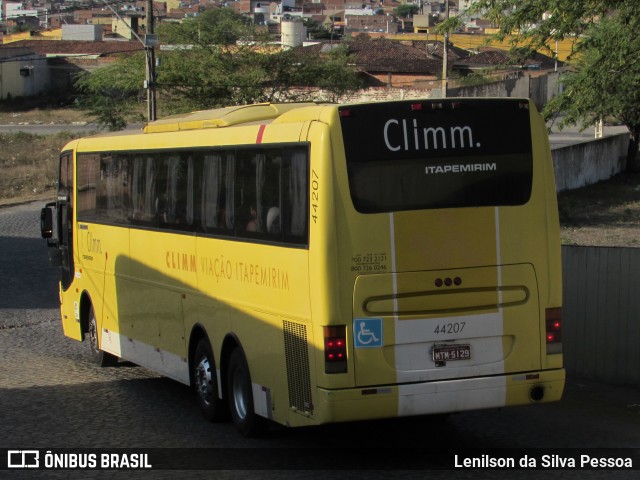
260	134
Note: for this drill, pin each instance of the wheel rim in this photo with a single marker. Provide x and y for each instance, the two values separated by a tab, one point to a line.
240	394
203	380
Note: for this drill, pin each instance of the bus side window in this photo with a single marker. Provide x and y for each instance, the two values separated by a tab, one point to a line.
88	176
259	193
174	201
216	204
113	195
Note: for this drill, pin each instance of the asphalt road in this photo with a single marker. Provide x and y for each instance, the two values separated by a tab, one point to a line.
51	397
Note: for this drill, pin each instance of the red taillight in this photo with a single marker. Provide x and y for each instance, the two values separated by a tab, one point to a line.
416	107
344	112
553	323
335	349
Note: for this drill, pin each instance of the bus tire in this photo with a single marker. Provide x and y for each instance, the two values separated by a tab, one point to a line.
97	356
240	396
205	383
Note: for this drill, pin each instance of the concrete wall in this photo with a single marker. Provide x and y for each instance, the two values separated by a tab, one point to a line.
11	83
22	78
589	162
367	95
511	87
540	89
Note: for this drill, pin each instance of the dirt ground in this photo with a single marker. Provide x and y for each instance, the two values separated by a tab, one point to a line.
9	115
604	214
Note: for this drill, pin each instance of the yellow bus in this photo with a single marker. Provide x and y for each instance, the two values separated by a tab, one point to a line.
314	263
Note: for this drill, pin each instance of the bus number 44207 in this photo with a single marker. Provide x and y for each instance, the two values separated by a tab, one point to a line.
315	186
447	328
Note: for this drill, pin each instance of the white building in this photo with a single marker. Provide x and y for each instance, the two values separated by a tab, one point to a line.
16	10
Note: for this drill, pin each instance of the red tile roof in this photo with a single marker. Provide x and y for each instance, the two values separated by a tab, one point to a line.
387	56
73	47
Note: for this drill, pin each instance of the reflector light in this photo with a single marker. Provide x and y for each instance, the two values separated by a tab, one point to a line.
344	112
335	349
416	107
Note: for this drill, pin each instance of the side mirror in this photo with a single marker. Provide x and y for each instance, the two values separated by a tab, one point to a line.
46	222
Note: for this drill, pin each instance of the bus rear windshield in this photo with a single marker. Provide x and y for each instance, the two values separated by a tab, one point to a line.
438	154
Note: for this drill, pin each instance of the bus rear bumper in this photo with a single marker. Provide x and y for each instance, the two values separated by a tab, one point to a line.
439	396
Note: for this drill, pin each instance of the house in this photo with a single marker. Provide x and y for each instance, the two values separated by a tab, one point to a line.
49	66
370	23
390	62
422	23
16	10
332	6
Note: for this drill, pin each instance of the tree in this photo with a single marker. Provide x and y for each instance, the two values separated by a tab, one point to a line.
406	10
540	20
605	81
111	93
605	70
219	59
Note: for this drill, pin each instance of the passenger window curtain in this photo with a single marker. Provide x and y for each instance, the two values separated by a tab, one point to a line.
114	171
298	192
143	189
137	189
229	204
149	190
172	208
261	175
211	190
190	190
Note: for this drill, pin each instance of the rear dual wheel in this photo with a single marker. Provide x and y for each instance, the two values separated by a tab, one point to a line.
240	397
239	390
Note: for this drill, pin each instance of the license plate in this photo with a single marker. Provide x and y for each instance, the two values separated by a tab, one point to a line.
443	353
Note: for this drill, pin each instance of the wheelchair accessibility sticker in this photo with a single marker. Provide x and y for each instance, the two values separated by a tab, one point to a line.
367	332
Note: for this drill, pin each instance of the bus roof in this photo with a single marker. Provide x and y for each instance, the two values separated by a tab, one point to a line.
222	117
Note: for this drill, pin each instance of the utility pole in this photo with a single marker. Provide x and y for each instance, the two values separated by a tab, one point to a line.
149	43
445	48
149	46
